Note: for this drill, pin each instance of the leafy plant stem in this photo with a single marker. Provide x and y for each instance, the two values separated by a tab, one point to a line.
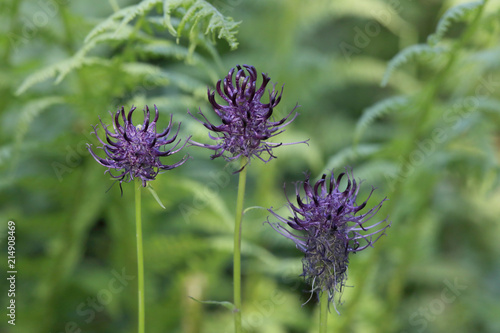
140	256
237	246
394	292
323	312
425	105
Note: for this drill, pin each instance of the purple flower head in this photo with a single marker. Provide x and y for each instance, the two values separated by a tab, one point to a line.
247	123
135	151
329	227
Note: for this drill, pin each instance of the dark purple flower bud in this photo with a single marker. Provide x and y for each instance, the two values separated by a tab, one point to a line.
135	151
247	123
329	227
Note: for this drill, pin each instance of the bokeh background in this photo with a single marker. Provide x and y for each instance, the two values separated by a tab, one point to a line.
407	93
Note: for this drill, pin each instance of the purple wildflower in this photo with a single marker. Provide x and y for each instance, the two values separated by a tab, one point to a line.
135	150
329	229
246	122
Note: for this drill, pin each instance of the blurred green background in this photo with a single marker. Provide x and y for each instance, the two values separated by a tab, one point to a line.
428	139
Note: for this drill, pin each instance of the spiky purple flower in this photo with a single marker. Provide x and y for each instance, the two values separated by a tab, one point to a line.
247	123
329	227
135	151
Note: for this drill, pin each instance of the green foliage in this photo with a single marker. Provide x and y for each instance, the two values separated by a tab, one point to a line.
203	19
200	16
380	109
460	13
411	53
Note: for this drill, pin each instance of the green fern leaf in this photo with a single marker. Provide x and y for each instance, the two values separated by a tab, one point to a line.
200	12
378	110
166	48
168	8
106	25
407	54
60	70
31	111
343	157
454	14
125	15
37	77
80	59
132	12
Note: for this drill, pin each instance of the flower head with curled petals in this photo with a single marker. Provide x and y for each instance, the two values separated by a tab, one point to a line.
135	151
247	123
329	227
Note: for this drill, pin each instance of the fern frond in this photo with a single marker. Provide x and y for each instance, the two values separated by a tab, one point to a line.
343	157
455	14
201	13
140	9
80	59
369	10
378	110
168	8
377	170
166	48
37	77
187	84
31	111
367	70
60	70
407	54
140	68
195	13
126	15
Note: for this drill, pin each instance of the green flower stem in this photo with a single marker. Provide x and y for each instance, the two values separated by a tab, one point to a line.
237	246
140	255
323	312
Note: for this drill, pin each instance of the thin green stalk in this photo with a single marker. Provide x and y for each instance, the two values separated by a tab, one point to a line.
323	312
140	256
237	246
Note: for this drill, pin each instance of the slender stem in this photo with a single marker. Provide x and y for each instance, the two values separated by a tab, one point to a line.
140	255
323	312
237	246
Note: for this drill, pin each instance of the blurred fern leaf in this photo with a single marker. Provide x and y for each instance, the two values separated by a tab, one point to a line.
407	54
198	14
349	154
31	111
379	109
200	11
454	14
